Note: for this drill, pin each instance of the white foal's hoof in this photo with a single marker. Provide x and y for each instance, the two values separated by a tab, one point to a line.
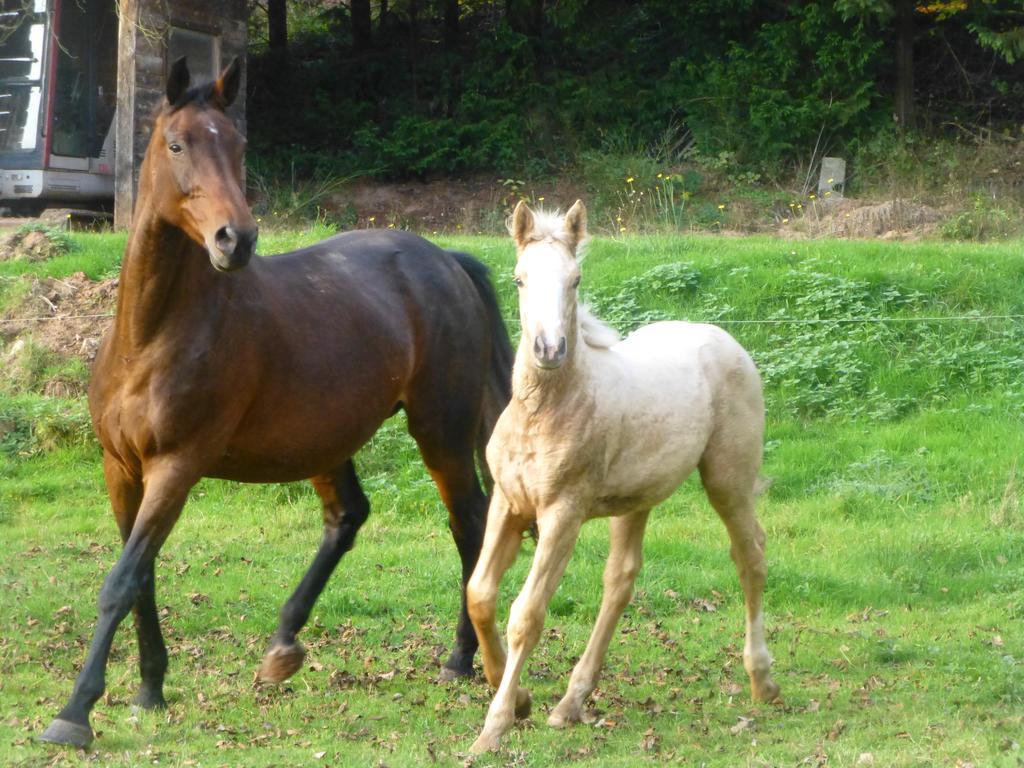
765	690
563	717
484	743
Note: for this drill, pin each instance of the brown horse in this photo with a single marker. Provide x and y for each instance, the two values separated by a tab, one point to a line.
274	373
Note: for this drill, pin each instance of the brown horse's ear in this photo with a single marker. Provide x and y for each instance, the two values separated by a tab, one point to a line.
576	224
521	224
225	89
178	80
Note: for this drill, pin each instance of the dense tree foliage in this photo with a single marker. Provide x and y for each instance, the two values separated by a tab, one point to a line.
420	87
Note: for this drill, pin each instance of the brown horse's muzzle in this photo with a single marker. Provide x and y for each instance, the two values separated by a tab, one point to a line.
233	247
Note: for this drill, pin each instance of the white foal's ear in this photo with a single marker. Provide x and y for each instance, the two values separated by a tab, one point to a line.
576	224
521	224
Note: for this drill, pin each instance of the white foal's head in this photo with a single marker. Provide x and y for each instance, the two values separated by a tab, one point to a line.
547	275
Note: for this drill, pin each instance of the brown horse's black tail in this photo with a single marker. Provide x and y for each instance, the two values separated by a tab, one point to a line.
499	380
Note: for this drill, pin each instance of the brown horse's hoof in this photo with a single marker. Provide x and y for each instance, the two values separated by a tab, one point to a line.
66	732
149	700
281	662
448	674
524	704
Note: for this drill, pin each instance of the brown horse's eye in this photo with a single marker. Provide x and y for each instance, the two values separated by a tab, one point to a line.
175	148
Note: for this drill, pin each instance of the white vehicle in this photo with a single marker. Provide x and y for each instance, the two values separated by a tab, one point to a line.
58	88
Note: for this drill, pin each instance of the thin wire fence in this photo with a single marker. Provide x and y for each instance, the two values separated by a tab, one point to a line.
717	321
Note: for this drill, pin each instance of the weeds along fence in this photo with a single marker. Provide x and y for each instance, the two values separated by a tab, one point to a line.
880	367
829	345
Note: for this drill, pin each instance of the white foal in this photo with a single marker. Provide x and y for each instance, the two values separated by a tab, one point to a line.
601	427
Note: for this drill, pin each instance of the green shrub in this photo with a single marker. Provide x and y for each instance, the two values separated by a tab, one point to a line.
31	424
985	219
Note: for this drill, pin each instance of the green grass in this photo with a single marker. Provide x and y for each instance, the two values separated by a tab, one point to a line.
895	543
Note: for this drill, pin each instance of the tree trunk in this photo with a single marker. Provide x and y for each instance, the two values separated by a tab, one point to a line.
414	42
904	101
451	26
537	18
453	61
277	25
362	30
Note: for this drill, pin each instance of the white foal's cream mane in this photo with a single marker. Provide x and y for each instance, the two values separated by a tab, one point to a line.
551	224
596	333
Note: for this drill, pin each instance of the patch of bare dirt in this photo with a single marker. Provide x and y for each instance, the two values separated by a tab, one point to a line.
849	217
447	205
68	316
31	245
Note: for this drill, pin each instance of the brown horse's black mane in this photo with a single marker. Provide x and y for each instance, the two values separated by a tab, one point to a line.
215	93
202	96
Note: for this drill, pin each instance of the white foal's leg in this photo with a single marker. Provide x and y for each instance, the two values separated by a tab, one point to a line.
737	512
624	558
502	540
557	533
748	554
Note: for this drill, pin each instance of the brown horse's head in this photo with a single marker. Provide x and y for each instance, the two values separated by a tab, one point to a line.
195	167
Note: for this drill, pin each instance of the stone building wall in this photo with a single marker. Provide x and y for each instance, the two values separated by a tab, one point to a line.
142	66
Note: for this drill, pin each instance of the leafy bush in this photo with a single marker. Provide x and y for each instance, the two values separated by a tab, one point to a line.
820	350
770	98
32	424
983	220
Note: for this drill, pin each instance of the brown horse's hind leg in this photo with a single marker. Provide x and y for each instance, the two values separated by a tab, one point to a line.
446	441
345	509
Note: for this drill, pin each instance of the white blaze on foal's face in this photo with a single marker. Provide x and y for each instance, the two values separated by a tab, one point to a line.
547	275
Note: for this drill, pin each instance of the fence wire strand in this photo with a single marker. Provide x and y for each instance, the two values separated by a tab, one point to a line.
716	321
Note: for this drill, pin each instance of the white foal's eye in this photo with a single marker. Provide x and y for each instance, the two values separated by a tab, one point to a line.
576	282
518	281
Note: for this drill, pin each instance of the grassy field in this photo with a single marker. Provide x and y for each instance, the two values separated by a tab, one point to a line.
895	542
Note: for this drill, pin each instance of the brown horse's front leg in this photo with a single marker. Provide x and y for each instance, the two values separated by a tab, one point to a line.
125	491
345	509
131	577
